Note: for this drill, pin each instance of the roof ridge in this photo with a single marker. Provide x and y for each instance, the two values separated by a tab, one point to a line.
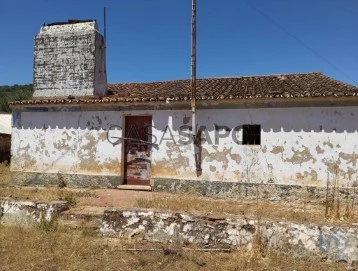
261	75
223	77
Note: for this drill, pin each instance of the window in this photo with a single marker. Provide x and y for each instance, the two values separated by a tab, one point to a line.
251	134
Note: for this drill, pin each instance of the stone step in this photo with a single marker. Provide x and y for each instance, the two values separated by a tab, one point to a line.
135	187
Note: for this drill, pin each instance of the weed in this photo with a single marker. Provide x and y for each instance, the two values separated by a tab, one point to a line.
48	225
4	173
334	211
69	197
310	212
258	248
89	231
61	182
144	203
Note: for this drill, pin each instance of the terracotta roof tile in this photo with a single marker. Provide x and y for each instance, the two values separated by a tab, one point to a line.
271	86
287	86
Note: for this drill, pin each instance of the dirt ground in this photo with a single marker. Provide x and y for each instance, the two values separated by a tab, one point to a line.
95	201
117	198
102	199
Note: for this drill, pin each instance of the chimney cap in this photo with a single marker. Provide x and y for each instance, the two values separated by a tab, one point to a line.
70	21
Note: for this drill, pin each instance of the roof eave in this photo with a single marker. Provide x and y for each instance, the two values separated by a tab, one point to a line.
207	104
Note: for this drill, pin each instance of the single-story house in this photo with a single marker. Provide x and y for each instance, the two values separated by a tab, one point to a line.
288	129
5	137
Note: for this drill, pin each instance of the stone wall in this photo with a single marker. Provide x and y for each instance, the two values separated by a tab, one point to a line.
29	213
64	180
332	242
338	243
251	191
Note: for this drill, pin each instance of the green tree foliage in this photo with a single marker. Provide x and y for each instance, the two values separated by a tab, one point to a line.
14	93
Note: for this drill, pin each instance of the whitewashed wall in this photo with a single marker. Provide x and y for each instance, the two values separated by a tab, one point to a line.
304	146
298	145
65	142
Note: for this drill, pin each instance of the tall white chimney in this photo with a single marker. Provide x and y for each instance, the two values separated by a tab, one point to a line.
69	60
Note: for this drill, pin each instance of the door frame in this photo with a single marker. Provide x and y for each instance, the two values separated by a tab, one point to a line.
124	115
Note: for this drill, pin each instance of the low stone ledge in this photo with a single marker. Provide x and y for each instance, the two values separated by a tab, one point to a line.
249	191
332	242
63	179
29	213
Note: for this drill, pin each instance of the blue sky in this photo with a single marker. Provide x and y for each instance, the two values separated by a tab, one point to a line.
149	40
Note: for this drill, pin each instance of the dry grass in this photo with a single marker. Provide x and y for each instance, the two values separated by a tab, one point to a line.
45	194
4	173
337	209
36	249
204	205
51	248
198	204
38	193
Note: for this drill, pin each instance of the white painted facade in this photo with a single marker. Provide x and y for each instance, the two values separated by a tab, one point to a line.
5	123
303	146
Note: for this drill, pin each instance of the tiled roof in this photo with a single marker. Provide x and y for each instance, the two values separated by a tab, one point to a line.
287	86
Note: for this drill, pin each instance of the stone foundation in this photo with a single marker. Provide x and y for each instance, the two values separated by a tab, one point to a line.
249	191
246	191
329	242
64	180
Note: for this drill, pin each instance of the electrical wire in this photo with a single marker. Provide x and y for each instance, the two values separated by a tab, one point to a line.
312	50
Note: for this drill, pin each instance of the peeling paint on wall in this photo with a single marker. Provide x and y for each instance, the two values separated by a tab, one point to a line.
277	149
351	158
319	150
293	150
74	142
300	157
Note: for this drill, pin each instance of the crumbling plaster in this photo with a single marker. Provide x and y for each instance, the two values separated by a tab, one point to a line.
304	146
69	60
65	142
301	146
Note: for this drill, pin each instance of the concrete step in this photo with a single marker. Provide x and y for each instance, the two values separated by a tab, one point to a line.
135	187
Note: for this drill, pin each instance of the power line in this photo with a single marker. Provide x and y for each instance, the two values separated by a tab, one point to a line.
299	40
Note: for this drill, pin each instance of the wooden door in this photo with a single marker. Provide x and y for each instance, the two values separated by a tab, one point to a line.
137	150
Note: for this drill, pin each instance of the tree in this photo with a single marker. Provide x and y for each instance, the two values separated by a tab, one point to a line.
14	93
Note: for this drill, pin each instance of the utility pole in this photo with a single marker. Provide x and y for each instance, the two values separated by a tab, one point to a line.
196	136
193	68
